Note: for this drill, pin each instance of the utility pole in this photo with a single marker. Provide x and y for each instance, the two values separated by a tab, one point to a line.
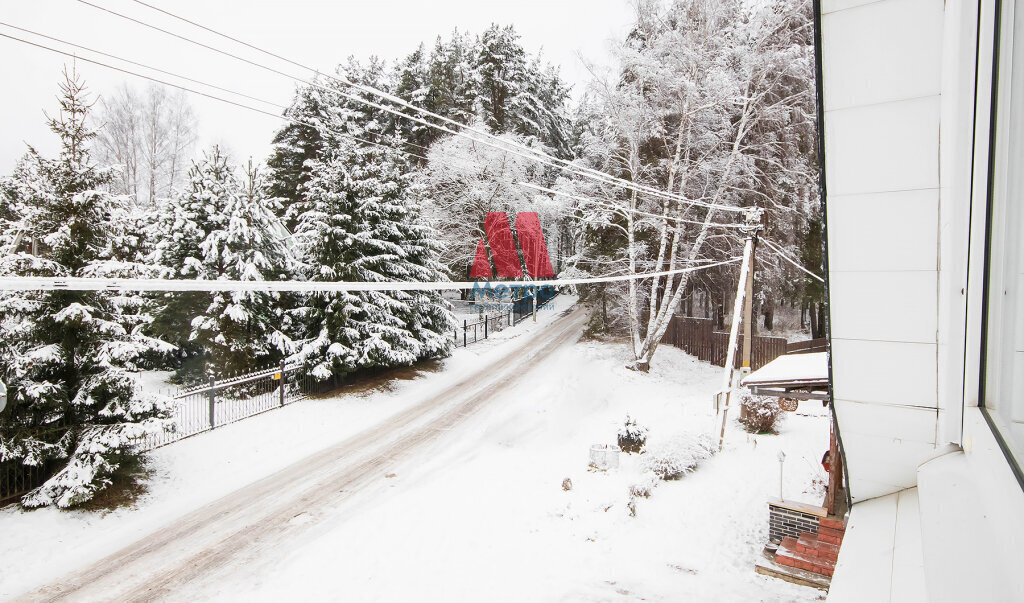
744	289
748	310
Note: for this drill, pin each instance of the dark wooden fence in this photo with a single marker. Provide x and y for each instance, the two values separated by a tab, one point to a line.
697	337
806	347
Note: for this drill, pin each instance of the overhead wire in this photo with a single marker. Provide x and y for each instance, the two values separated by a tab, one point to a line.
284	117
40	283
56	283
786	257
530	153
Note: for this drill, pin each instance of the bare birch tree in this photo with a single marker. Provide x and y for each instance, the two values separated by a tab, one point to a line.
697	78
150	138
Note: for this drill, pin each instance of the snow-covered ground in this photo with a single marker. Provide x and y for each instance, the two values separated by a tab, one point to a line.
482	514
486	517
40	545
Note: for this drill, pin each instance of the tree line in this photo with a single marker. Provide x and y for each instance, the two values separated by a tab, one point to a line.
708	103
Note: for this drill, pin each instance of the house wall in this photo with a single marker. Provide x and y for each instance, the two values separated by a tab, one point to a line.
883	64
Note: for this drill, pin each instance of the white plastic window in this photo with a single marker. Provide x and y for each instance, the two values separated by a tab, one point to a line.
1004	363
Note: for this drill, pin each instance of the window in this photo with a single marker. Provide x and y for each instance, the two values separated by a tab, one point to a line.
1003	381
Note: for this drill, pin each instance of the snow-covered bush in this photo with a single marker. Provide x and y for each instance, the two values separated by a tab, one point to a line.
645	486
677	456
761	413
632	437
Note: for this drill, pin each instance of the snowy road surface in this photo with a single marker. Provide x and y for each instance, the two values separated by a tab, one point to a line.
262	517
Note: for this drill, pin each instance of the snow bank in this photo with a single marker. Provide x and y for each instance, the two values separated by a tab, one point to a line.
483	514
39	546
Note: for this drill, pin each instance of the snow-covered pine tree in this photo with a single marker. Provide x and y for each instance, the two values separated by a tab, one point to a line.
450	79
500	70
226	230
296	145
412	84
178	232
73	408
517	95
308	138
359	224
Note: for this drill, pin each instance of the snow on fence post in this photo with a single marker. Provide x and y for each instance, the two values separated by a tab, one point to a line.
213	401
280	385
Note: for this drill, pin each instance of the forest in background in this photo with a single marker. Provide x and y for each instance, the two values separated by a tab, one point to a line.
711	104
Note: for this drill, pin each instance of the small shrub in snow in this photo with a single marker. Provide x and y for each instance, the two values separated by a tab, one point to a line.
632	437
678	456
644	487
761	412
567	484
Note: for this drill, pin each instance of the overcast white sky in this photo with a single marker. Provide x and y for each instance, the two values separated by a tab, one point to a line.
319	33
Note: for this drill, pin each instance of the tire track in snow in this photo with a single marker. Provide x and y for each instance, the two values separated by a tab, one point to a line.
256	518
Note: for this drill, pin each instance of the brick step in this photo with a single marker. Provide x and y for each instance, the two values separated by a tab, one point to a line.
788	555
808	544
834	524
827	550
830	535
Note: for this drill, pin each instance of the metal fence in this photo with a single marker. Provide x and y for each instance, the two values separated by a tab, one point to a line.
473	332
518	311
194	410
202	408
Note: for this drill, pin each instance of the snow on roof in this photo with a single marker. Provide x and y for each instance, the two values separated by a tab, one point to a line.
791	369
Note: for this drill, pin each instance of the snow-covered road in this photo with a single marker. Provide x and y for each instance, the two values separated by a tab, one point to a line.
260	518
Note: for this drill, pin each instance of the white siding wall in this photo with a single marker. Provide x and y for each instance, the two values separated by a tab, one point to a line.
883	64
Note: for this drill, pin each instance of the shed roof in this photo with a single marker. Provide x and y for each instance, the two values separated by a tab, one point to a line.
791	370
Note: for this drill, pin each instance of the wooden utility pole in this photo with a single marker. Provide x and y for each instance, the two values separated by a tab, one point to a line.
744	294
748	312
748	319
730	357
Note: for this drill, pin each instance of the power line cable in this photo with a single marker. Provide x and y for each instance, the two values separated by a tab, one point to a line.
53	283
531	154
294	120
786	257
39	283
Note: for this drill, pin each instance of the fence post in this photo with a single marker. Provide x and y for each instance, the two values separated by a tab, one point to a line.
281	384
213	401
487	319
465	329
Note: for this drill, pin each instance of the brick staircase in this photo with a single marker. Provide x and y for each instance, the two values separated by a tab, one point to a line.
814	553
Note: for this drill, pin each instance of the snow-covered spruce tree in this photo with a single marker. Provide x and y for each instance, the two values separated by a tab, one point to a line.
178	232
224	229
357	223
73	408
519	96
